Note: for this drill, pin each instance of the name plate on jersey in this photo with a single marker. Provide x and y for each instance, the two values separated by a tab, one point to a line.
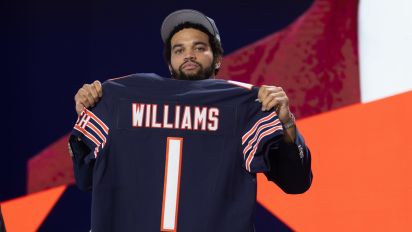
146	115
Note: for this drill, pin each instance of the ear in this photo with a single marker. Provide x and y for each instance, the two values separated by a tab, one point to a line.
218	62
170	69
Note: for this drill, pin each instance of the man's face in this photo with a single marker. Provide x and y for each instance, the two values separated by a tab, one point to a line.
192	56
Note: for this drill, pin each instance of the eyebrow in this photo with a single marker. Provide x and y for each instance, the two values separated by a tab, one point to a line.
199	42
194	44
177	45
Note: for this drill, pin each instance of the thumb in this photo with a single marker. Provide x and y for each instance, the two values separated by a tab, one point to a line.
79	108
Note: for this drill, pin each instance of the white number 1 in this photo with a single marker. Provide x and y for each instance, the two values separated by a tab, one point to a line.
171	184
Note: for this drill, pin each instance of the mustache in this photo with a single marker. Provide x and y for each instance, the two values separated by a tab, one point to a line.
190	61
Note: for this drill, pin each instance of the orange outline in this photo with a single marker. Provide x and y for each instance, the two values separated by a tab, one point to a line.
165	182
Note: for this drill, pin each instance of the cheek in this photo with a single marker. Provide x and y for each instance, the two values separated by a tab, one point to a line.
207	59
175	62
209	56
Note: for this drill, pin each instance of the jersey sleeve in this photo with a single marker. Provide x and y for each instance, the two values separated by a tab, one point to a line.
262	128
89	138
93	125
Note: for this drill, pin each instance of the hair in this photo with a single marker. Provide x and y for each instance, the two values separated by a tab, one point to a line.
215	44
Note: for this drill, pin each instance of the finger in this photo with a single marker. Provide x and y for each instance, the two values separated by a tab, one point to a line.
276	103
79	108
269	98
278	94
84	98
86	102
77	105
76	97
81	103
89	95
266	101
262	93
92	93
274	89
98	86
265	90
79	93
281	104
82	93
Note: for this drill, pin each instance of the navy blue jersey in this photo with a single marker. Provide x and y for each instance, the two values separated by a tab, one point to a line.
172	155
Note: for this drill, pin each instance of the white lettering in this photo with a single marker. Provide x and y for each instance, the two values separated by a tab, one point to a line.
200	118
155	124
148	106
137	113
166	123
213	124
187	119
177	117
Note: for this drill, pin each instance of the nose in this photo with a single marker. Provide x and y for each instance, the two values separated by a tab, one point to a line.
189	55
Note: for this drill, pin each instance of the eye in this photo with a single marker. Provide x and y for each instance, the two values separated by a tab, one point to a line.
200	49
178	51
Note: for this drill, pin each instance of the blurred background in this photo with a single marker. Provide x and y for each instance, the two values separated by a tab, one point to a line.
345	66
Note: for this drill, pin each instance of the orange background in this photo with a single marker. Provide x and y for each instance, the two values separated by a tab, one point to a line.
362	171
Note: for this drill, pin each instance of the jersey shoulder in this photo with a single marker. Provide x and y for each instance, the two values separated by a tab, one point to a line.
153	84
136	78
140	80
236	86
242	85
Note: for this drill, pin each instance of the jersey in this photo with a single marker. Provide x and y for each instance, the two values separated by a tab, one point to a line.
174	155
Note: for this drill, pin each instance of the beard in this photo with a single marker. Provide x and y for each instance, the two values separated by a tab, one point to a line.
201	74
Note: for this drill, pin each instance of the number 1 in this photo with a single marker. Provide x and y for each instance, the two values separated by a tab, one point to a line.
171	184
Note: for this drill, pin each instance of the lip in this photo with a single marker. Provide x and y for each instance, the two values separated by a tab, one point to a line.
190	66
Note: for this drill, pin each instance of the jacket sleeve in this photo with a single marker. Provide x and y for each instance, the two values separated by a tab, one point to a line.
290	165
83	163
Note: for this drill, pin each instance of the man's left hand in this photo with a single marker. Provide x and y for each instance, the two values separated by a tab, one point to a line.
273	97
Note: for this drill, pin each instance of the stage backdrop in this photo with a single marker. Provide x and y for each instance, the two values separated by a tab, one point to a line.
308	48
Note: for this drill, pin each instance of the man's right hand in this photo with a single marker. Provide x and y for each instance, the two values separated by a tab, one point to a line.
88	96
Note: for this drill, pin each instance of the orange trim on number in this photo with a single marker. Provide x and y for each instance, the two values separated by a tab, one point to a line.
166	186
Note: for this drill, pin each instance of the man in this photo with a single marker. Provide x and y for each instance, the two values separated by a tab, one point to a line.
182	154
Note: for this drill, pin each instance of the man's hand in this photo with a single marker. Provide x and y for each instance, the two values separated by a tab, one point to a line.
273	97
88	96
